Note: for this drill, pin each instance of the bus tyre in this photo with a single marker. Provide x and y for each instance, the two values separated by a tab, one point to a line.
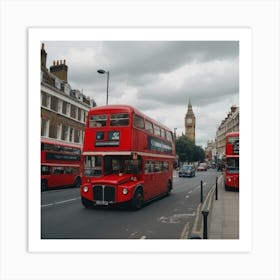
86	203
169	188
78	182
44	185
137	200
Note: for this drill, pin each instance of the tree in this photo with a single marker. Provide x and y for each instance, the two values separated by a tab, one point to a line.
188	151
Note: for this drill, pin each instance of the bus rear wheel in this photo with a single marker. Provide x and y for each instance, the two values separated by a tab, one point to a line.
137	200
169	188
78	182
44	185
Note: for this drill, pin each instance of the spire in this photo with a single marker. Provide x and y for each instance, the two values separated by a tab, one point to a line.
190	106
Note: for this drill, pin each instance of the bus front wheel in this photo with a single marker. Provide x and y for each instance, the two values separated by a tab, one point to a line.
137	200
86	203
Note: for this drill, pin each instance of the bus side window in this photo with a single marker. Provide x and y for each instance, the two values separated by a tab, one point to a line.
45	170
149	167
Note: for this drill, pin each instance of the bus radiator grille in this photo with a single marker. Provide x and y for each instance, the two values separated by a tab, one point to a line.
104	193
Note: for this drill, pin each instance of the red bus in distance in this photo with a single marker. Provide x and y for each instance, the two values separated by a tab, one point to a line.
60	164
232	161
128	157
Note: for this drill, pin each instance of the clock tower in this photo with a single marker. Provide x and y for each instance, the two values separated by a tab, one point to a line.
190	123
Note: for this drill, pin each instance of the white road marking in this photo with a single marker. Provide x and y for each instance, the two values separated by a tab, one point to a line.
175	219
60	202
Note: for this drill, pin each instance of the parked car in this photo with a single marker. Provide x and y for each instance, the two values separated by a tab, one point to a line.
187	171
202	167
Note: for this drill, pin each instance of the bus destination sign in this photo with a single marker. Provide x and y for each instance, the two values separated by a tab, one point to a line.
113	139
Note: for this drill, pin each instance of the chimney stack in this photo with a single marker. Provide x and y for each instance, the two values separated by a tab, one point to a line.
59	69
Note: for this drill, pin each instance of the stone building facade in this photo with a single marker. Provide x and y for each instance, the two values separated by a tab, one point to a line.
63	110
229	124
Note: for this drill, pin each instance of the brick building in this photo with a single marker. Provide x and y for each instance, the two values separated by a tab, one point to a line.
229	124
63	110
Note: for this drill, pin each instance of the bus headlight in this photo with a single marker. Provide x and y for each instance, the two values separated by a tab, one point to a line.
85	189
125	191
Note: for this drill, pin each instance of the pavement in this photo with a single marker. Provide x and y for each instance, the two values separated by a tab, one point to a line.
223	220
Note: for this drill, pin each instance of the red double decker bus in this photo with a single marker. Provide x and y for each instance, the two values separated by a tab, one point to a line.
128	157
60	164
232	161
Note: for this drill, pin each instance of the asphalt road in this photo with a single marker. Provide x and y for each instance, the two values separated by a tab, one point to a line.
171	217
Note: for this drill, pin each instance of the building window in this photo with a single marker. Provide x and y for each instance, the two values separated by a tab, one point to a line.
73	110
44	127
79	114
71	135
59	106
44	100
64	133
53	130
64	108
54	103
77	136
84	116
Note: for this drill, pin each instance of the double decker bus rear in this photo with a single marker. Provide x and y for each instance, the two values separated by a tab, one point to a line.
60	164
128	158
232	161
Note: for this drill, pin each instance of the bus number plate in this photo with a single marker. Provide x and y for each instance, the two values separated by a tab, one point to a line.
101	202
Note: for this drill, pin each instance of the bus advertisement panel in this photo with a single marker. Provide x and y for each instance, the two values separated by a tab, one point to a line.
128	157
60	164
232	161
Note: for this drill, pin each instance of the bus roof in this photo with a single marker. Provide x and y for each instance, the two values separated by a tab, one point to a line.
234	133
124	108
60	142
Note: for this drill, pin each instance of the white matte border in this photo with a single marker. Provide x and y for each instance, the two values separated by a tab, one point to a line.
38	35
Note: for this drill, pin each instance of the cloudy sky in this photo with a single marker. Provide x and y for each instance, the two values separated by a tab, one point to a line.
158	77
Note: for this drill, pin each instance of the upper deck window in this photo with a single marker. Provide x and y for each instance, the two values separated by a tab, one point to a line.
169	136
156	130
139	122
149	127
119	119
97	120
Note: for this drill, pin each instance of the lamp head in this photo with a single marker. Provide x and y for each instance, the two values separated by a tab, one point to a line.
101	71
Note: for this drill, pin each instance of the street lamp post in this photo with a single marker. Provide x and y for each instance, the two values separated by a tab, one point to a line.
100	71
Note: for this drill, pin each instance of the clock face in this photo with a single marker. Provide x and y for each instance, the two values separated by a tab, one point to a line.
189	121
